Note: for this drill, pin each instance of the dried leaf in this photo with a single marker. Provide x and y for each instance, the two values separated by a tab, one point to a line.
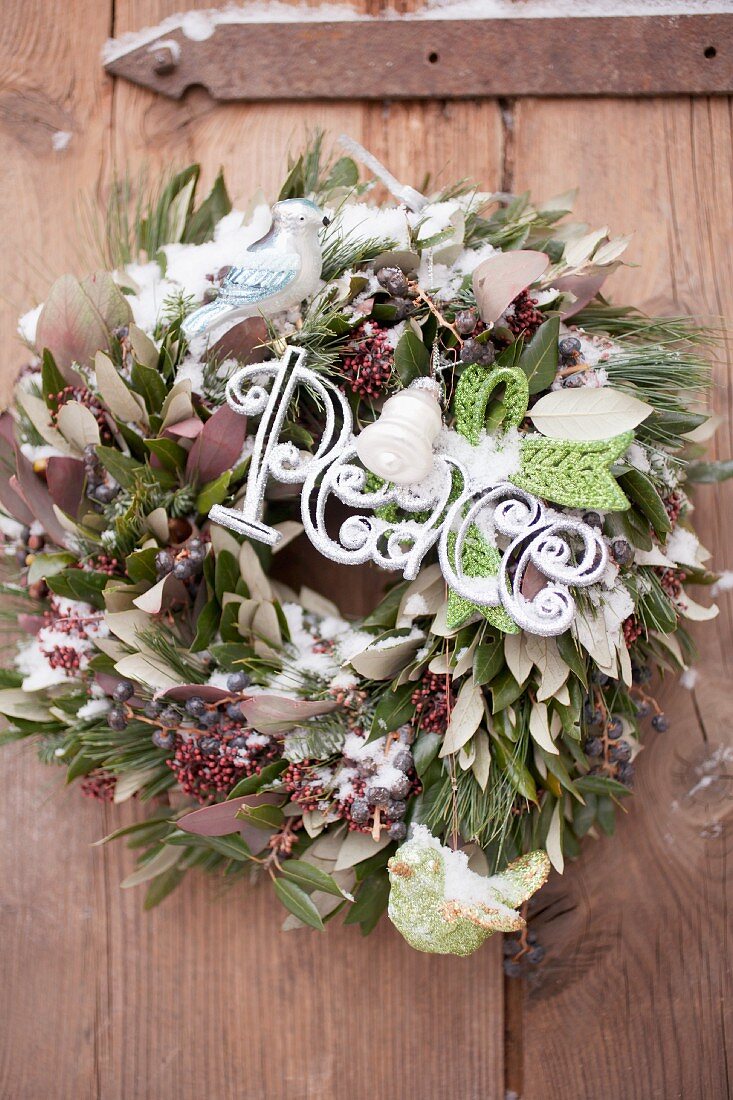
482	759
278	714
167	857
539	727
382	663
578	251
357	847
553	844
78	425
544	653
584	288
121	401
498	280
465	718
69	325
587	414
40	417
518	660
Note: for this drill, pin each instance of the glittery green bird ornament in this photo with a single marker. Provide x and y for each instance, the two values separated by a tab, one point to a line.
443	907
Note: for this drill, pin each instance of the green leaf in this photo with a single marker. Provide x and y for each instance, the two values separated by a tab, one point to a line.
140	565
262	817
411	358
600	784
425	750
584	814
81	765
504	691
707	473
392	711
606	815
148	383
231	846
206	626
641	490
570	654
226	574
52	380
162	886
540	356
309	877
171	455
488	661
298	903
214	492
343	174
48	565
200	226
370	903
124	469
78	584
255	783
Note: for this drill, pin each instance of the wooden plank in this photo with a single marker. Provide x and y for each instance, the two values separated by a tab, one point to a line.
631	999
54	127
433	58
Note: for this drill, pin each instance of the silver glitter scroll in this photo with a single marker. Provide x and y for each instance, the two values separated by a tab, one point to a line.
562	549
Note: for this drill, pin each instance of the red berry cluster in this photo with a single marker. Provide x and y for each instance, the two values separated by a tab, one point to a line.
368	362
433	703
525	318
304	785
671	581
673	506
82	397
99	785
632	630
212	763
104	564
65	657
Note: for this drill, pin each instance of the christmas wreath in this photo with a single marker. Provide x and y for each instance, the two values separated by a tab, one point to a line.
443	375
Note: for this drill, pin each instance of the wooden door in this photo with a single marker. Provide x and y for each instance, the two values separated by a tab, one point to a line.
205	997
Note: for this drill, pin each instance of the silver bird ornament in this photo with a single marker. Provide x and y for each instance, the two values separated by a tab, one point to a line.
274	274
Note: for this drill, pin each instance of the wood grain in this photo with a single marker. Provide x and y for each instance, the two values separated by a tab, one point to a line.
205	996
633	999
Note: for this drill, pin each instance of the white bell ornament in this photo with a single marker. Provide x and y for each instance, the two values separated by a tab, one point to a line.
399	446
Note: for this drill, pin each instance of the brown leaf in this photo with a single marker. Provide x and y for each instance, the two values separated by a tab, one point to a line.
65	480
498	280
244	342
107	299
69	325
37	497
218	447
278	714
207	692
221	819
584	287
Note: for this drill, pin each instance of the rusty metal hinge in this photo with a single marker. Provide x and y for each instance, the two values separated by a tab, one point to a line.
435	58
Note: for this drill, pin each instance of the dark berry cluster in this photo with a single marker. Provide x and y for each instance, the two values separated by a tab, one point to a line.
184	563
605	745
100	485
380	794
524	318
368	362
434	699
